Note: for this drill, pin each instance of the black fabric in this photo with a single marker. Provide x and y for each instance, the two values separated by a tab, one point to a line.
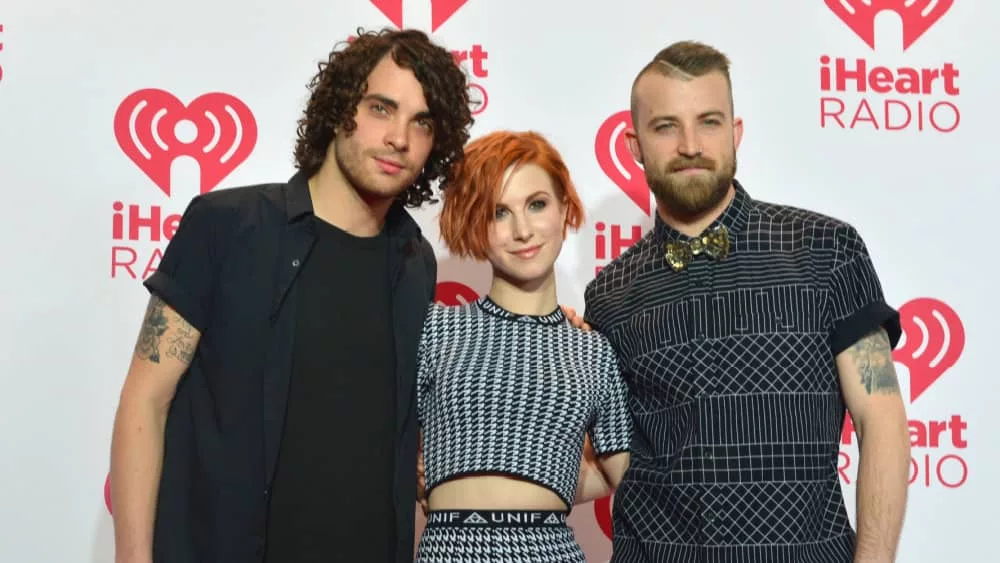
232	269
331	499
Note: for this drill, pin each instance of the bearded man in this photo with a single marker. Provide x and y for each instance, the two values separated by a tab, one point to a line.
745	329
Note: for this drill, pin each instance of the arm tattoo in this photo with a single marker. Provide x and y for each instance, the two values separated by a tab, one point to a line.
182	345
872	356
153	327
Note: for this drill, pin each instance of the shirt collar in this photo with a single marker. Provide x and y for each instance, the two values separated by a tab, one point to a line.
298	204
489	306
734	218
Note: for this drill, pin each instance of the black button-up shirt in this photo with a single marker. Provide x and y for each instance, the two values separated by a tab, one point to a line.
733	386
230	271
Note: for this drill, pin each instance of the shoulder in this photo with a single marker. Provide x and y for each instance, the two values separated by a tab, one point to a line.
620	273
424	248
221	219
425	251
400	224
239	206
421	262
783	215
818	231
592	342
238	198
627	263
443	318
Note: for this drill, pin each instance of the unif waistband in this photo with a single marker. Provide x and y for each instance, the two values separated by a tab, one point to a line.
497	518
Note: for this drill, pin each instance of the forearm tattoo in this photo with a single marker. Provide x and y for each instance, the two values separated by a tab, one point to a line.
872	355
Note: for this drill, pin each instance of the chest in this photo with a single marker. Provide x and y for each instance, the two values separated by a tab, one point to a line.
528	369
272	289
749	324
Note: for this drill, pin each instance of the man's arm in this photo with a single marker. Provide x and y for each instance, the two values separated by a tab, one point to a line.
599	475
163	351
592	483
871	392
421	479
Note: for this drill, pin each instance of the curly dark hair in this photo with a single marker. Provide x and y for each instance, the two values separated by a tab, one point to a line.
341	82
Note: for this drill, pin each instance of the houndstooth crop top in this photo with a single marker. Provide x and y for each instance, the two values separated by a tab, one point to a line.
512	394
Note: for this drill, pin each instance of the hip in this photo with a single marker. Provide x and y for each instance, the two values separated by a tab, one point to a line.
454	536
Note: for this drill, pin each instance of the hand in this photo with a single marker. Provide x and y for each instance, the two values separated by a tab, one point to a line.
421	482
575	319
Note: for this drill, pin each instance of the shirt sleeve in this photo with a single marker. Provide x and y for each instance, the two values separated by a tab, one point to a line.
856	300
185	275
425	364
612	430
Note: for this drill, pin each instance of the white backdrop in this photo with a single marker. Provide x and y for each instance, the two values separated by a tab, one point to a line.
85	221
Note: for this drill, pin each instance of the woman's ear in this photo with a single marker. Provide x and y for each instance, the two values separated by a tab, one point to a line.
564	204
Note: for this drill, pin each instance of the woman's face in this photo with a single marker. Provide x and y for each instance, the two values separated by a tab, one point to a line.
526	235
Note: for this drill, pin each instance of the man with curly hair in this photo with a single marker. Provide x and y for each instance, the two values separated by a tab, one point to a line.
268	412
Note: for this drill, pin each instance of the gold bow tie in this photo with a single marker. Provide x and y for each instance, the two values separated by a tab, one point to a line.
715	243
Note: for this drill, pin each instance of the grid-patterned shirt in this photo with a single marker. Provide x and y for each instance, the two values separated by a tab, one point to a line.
733	386
511	394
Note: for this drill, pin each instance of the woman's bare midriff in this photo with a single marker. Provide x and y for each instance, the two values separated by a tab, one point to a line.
493	492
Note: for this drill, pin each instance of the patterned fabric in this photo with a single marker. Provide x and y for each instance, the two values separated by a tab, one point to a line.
513	394
733	386
467	536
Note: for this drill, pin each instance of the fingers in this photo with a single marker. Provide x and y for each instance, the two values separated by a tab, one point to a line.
574	318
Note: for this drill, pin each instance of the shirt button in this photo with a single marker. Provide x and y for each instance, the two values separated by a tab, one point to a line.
295	263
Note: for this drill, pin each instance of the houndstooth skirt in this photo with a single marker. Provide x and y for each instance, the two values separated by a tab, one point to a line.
511	536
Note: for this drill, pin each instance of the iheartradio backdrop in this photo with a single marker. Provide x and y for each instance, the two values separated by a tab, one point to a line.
114	115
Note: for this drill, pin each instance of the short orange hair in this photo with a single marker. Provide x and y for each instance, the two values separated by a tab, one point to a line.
475	183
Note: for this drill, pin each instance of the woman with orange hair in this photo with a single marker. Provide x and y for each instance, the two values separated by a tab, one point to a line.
507	389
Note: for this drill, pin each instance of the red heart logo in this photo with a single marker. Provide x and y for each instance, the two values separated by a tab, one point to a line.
453	293
392	9
602	513
442	10
107	492
617	163
917	16
221	135
934	340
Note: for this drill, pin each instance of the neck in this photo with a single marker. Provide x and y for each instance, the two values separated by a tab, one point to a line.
336	201
694	225
537	297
